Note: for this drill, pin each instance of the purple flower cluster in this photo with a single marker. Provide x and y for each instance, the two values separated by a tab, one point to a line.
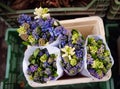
79	53
42	67
47	29
24	19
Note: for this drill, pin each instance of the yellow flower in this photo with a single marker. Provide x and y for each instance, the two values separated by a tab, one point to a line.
21	30
41	12
68	51
31	39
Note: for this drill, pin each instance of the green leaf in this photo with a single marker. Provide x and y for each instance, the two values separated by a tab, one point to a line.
26	43
33	62
74	31
36	52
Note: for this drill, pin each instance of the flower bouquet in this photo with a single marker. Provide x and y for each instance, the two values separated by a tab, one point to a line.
98	57
72	52
40	30
42	64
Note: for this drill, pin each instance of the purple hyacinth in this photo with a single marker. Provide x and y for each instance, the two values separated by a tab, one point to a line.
47	24
45	64
44	36
79	53
79	65
64	32
24	19
40	22
45	79
29	31
35	34
33	68
68	67
73	71
99	76
40	53
58	31
92	71
51	39
51	78
48	71
51	21
33	24
95	74
51	29
44	24
90	61
63	43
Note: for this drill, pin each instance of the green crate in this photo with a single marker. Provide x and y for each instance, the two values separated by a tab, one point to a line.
114	11
95	7
14	77
112	35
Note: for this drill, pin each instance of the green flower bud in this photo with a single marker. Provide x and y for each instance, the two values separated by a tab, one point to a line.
93	49
21	30
75	36
106	53
73	62
91	40
104	70
99	42
52	56
109	66
97	64
107	59
31	39
39	69
43	58
30	77
74	57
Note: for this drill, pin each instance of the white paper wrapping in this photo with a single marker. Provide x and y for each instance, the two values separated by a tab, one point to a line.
29	51
85	71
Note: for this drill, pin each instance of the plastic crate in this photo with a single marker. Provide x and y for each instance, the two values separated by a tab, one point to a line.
95	7
14	78
112	35
114	11
14	75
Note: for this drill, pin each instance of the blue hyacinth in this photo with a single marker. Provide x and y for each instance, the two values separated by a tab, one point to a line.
35	34
24	19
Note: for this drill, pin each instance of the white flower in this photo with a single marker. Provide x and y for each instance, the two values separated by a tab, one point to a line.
68	51
46	15
55	23
41	13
